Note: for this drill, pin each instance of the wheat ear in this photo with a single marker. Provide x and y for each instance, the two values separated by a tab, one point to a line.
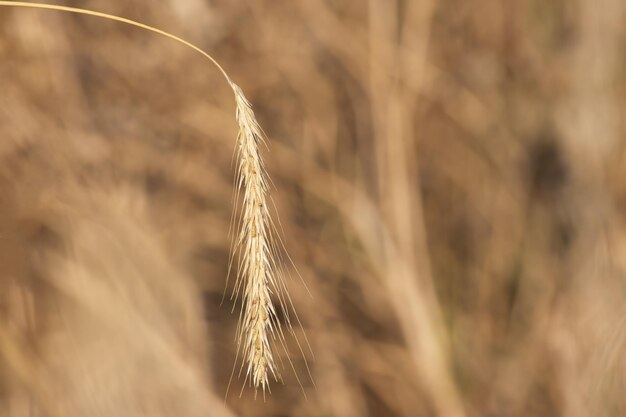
256	277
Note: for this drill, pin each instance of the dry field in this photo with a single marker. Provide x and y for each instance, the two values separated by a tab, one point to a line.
449	176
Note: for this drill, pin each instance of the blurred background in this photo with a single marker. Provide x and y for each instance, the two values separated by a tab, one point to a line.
449	176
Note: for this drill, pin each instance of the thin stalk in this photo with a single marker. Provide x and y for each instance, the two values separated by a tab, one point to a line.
258	276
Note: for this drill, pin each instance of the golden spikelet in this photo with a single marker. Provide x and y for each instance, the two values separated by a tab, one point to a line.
259	274
256	278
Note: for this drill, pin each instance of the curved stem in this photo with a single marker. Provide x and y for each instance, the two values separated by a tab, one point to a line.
118	19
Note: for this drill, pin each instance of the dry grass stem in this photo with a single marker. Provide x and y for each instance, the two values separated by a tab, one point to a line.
258	274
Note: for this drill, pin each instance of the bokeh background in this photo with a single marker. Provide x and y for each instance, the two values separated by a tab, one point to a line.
449	177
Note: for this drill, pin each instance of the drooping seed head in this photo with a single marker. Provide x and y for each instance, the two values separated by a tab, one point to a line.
256	276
